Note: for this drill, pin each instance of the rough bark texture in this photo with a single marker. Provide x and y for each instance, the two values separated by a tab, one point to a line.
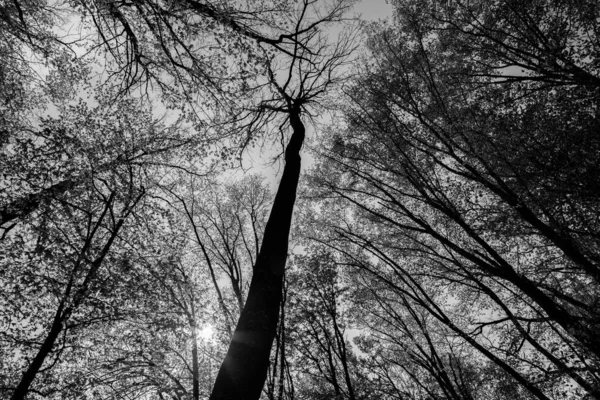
244	370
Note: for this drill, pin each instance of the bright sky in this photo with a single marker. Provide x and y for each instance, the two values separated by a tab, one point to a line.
259	160
373	10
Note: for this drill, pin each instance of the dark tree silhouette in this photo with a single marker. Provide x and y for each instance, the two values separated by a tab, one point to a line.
467	171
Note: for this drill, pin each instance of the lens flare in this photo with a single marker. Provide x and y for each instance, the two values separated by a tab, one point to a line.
206	332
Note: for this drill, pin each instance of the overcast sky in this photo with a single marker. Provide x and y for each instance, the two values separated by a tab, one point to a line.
373	9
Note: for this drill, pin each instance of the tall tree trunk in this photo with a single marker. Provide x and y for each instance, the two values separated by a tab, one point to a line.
29	375
63	313
195	366
244	370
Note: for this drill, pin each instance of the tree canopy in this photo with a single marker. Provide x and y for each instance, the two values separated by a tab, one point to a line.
443	243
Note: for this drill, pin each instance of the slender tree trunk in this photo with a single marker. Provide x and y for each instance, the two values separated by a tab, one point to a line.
29	375
343	355
63	314
244	370
195	368
576	327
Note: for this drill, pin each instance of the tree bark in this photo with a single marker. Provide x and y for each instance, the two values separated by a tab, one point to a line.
195	366
244	370
63	313
29	375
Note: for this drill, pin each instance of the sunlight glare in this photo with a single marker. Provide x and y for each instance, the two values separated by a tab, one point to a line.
206	332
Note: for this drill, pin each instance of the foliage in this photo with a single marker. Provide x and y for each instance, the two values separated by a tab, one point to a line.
447	239
462	186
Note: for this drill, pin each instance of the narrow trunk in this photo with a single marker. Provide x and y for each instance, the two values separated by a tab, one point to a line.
63	314
195	370
244	370
576	327
29	375
343	355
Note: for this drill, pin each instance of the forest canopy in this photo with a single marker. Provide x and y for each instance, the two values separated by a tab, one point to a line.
443	242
